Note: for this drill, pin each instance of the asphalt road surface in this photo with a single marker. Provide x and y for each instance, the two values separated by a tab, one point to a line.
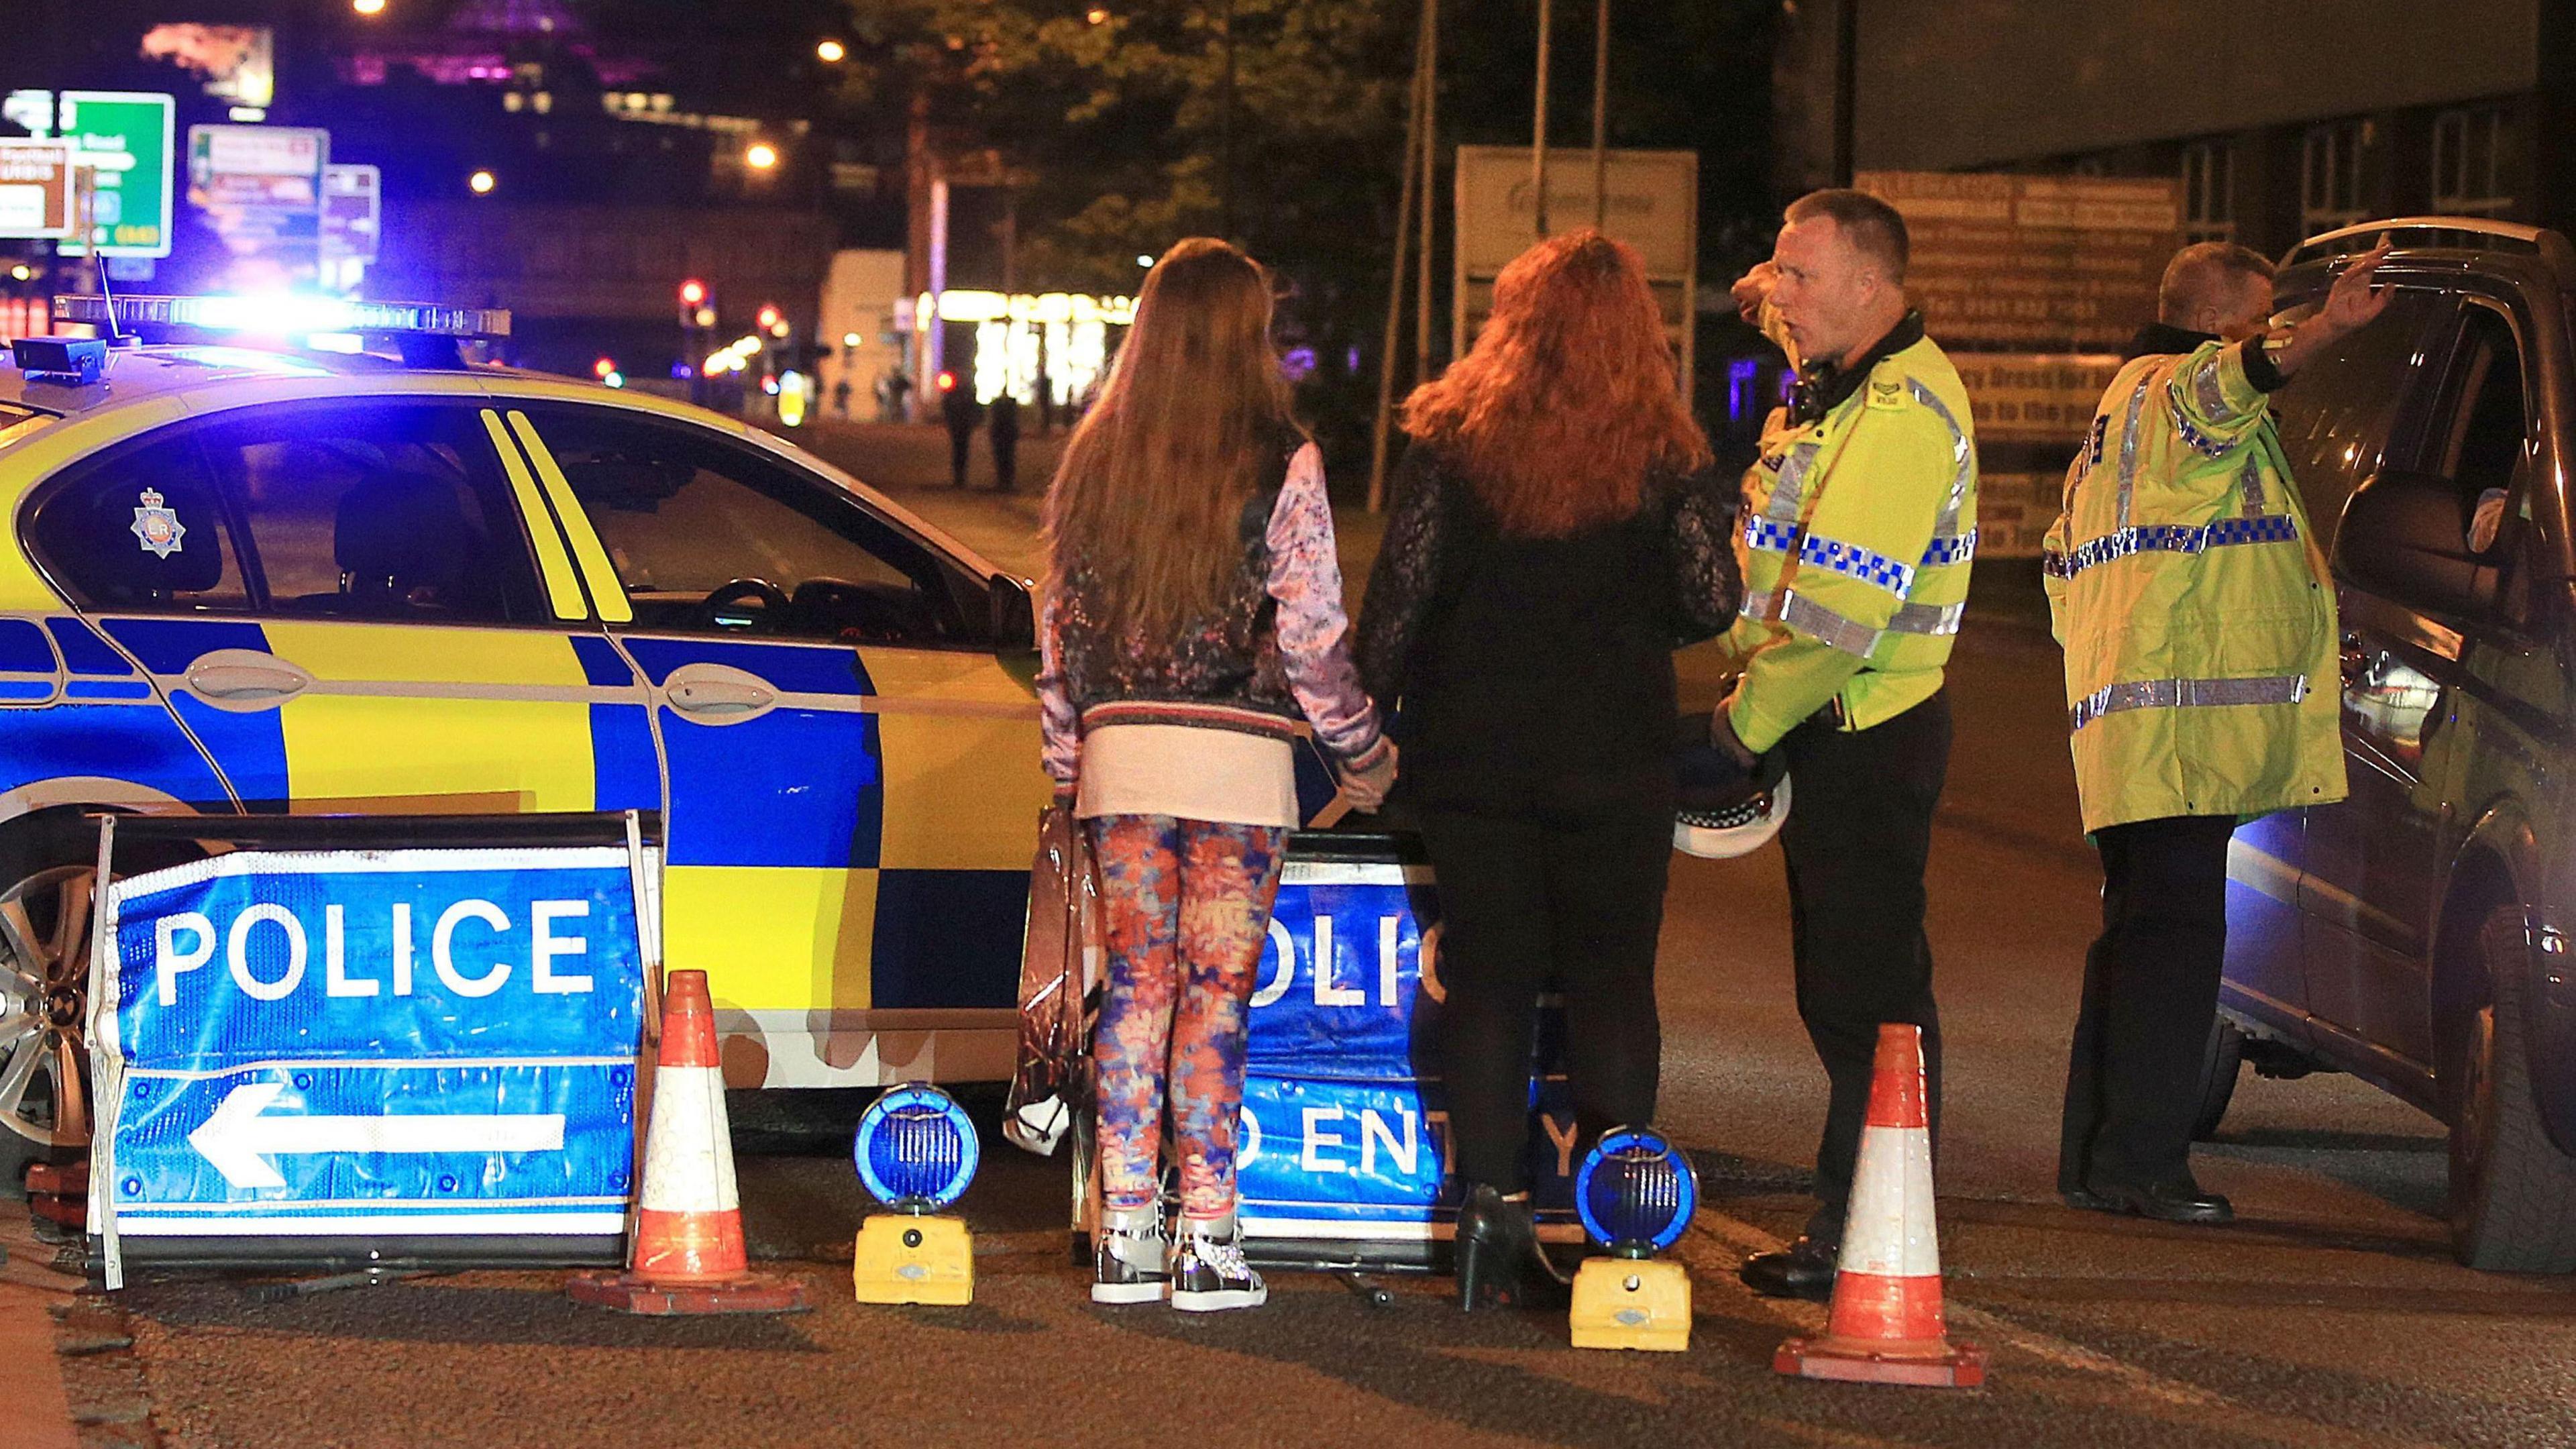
2330	1314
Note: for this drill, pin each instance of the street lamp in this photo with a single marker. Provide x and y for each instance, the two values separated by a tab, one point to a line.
481	183
1097	15
368	7
761	157
830	52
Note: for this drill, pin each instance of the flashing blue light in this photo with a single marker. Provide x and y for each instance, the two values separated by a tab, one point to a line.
285	314
1636	1192
916	1150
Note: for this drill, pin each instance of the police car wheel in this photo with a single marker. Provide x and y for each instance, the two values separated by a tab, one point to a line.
44	1010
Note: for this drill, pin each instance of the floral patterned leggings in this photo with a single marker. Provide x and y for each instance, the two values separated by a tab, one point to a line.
1187	908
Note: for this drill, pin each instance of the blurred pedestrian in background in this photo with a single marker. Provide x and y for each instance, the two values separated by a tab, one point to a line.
1557	532
957	409
1006	441
1193	616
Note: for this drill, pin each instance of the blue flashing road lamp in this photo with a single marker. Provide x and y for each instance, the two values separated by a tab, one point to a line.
1636	1193
916	1152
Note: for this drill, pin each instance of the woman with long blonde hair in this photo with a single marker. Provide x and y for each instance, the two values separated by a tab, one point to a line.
1193	615
1558	531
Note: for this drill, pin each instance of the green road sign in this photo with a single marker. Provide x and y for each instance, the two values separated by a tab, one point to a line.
124	139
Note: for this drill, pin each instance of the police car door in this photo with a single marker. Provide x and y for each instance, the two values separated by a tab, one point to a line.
400	639
853	769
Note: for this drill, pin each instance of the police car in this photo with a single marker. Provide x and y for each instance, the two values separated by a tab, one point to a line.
244	580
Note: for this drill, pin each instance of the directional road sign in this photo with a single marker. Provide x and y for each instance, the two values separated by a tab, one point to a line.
35	188
123	140
364	1044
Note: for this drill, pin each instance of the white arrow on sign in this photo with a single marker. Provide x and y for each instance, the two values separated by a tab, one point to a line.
238	1140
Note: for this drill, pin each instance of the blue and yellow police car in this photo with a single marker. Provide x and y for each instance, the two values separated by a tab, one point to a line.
249	580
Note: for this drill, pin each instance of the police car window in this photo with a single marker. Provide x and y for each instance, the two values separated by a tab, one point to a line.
710	537
139	531
376	511
2337	414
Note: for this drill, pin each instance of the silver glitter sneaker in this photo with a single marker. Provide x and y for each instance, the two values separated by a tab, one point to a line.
1128	1254
1208	1271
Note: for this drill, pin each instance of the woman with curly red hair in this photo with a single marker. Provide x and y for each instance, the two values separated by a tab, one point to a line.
1558	531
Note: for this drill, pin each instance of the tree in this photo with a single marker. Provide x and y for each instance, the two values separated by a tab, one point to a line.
1120	116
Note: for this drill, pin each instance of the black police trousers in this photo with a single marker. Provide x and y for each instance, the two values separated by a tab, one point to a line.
1563	887
1858	836
2150	993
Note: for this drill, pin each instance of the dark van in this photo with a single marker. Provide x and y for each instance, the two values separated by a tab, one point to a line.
2417	934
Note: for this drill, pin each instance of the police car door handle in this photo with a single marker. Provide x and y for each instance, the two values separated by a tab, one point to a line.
245	679
718	694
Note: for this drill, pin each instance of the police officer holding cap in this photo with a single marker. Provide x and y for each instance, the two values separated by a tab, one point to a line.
1860	522
2199	630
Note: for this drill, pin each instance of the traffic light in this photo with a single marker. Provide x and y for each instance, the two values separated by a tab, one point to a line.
603	367
692	293
770	317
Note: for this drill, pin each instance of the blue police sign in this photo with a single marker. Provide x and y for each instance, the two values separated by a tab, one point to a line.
1344	1130
417	1042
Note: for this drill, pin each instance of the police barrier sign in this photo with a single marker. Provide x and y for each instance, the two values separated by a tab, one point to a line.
1344	1132
362	1044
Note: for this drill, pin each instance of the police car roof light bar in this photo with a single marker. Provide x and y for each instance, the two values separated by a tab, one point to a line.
285	314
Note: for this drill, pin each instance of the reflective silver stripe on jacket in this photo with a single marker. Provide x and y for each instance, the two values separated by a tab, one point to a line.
2193	438
2213	396
1962	458
2129	450
1783	506
2185	694
1840	631
2250	482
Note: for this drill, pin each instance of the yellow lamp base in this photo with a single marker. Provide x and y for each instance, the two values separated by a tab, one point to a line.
1638	1303
902	1258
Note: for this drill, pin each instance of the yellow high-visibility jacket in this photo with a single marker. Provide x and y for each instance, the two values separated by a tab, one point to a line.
2195	612
1858	529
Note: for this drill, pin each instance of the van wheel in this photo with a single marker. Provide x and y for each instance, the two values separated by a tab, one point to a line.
2513	1193
2218	1072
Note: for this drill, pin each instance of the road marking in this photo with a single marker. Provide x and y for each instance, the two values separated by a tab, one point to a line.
239	1141
1978	1323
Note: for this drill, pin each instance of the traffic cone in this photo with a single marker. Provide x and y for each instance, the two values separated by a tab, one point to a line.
1886	1326
688	1254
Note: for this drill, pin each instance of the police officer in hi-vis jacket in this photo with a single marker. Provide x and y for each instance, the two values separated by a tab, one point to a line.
2199	629
1860	519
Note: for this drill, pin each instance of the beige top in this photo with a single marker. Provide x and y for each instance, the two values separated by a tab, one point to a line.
1188	773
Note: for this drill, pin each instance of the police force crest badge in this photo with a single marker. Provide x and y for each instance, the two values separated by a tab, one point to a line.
157	525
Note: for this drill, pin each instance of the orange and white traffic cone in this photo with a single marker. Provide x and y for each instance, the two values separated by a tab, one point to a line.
1886	1326
688	1254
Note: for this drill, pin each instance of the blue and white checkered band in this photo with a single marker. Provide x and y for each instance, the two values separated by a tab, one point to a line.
2199	442
1950	549
1853	561
2171	538
1769	535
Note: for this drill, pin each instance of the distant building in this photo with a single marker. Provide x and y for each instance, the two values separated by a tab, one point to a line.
2281	118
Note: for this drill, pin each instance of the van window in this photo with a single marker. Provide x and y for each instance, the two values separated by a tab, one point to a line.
2336	415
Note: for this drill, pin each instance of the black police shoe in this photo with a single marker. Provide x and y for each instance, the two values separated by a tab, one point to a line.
1804	1270
2167	1202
